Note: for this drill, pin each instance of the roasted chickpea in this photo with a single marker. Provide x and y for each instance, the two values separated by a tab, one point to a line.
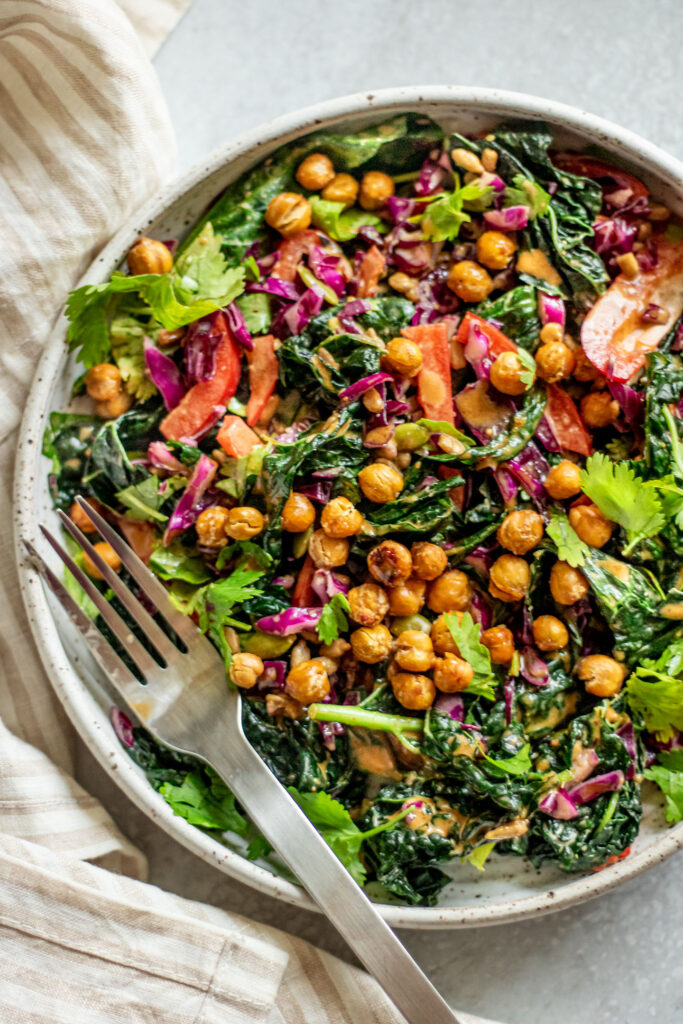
554	361
298	513
405	284
563	480
371	644
103	382
520	531
368	604
403	357
284	705
244	522
414	651
315	172
450	592
245	669
167	338
390	563
149	256
452	673
509	578
469	281
289	213
550	633
107	554
380	483
327	552
567	584
340	519
80	519
342	189
584	371
599	409
375	189
429	560
495	249
413	691
591	525
442	638
507	373
114	407
210	527
500	643
601	676
308	682
407	598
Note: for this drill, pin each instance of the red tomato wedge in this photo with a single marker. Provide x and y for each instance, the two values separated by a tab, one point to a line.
457	494
196	411
613	335
290	251
369	274
434	389
302	595
565	421
236	438
263	373
591	167
612	859
498	342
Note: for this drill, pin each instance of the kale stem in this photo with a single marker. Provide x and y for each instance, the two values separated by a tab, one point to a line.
352	714
609	812
389	823
676	446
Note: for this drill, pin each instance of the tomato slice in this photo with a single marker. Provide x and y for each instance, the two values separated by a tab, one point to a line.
197	410
263	374
236	438
612	859
613	335
290	251
565	421
498	342
434	390
591	167
302	595
369	274
457	494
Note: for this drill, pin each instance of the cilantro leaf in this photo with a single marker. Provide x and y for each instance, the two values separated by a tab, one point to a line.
339	223
445	214
479	855
518	764
570	547
333	619
528	375
524	192
467	635
218	601
207	803
655	689
127	337
668	775
145	499
623	497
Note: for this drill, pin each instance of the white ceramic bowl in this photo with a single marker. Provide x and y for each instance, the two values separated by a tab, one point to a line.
510	888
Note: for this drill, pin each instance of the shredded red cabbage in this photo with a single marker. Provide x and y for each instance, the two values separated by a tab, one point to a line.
274	286
318	491
201	343
326	584
161	457
238	326
599	784
123	727
511	218
291	620
558	804
551	309
533	668
451	704
358	389
631	402
627	735
164	374
189	506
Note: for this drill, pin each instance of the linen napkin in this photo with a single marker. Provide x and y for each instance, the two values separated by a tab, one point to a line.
85	138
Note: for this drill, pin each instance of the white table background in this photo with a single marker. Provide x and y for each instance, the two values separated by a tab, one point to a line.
233	64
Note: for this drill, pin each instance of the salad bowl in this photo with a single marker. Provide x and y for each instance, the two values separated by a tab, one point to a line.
510	888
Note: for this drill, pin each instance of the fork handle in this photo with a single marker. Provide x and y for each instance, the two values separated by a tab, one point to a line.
306	853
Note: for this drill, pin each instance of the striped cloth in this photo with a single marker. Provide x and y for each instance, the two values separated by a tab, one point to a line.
84	139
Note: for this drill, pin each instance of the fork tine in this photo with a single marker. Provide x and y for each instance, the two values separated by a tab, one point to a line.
162	643
119	628
153	590
106	657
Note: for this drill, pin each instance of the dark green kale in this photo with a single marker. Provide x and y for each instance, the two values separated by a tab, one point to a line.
66	441
517	313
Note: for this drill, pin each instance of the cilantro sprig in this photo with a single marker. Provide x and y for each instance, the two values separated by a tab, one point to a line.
570	547
668	775
623	497
467	636
333	619
445	215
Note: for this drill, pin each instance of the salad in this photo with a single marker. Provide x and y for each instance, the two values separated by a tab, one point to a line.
399	425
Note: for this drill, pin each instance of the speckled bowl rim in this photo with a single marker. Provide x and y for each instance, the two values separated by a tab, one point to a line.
69	687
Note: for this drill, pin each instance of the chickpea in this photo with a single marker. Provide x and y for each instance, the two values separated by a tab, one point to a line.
371	644
210	527
80	519
315	172
414	651
308	682
342	189
520	531
108	556
500	643
554	361
429	560
507	373
103	382
469	281
403	357
327	552
114	407
149	256
407	598
368	604
298	513
584	371
601	676
412	691
244	522
372	400
442	638
336	650
450	592
452	673
289	213
375	189
550	633
380	483
509	578
599	409
563	480
245	669
567	584
167	338
495	249
284	705
340	519
405	284
591	525
390	563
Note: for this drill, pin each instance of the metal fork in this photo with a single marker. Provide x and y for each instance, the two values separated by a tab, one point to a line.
188	706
